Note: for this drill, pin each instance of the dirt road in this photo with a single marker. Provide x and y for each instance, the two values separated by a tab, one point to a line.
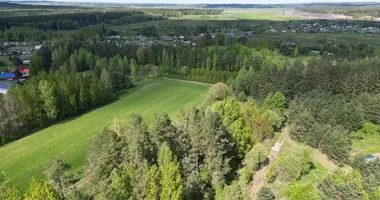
259	177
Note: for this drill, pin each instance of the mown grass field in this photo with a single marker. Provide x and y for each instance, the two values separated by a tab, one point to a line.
28	157
247	14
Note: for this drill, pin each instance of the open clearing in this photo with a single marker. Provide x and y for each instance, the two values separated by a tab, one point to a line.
28	157
370	143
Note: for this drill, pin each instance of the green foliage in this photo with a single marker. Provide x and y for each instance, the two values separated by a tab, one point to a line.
40	190
256	157
121	184
152	188
36	64
217	92
140	55
275	102
265	193
291	164
275	119
369	172
327	138
233	119
6	190
301	192
59	177
376	194
49	97
237	190
171	181
344	185
103	156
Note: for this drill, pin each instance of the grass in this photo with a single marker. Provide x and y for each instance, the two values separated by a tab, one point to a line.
270	14
7	66
371	139
28	157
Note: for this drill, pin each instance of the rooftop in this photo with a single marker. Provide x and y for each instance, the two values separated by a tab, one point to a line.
4	86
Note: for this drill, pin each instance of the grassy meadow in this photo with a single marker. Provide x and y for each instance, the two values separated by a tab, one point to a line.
270	14
28	157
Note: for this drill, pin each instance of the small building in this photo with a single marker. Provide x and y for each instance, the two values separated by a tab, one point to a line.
230	34
315	52
4	87
26	62
38	47
289	44
369	157
141	38
114	37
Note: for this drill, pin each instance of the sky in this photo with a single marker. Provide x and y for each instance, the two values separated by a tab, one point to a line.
218	1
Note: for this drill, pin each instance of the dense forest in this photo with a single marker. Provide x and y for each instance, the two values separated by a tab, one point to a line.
74	21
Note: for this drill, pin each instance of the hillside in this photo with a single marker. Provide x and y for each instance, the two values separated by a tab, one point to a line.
28	157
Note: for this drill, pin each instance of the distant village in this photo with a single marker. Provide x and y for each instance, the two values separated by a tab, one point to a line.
275	28
17	74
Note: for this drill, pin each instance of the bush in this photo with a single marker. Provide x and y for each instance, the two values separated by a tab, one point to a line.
265	194
217	92
256	157
302	192
291	164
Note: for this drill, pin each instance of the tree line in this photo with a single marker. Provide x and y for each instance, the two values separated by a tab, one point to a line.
75	20
64	92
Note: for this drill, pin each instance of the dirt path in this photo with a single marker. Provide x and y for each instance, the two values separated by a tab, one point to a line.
147	86
324	160
195	82
259	177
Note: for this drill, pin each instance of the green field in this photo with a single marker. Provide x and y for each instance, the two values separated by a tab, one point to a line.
371	140
272	14
28	157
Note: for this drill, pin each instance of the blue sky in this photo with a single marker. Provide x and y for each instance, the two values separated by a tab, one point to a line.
220	1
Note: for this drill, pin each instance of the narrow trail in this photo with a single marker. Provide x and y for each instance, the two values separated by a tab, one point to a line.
259	177
180	80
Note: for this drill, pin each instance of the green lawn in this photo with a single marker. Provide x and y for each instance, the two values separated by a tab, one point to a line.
28	157
371	140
